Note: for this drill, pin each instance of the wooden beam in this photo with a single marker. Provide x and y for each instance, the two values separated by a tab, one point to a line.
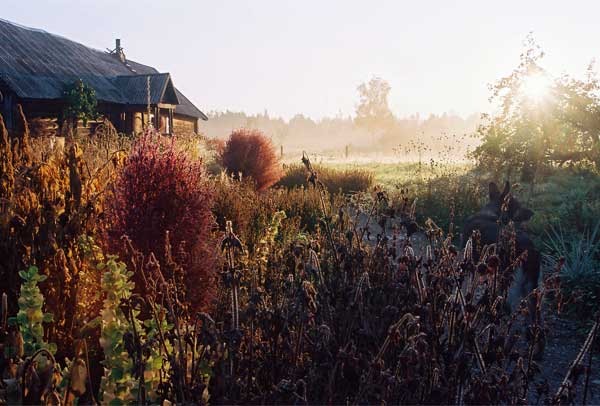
7	110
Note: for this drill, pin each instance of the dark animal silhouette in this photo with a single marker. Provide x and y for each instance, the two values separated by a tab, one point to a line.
488	221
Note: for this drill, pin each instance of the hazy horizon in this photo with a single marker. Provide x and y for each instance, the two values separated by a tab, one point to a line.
308	58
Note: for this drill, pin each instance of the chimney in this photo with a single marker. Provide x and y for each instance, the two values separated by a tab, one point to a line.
119	51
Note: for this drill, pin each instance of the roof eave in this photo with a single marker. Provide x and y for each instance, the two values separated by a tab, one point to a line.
200	116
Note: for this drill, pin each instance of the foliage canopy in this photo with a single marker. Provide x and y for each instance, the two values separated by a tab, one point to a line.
560	125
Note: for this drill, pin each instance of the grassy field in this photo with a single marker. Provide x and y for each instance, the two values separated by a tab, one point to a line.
563	198
390	174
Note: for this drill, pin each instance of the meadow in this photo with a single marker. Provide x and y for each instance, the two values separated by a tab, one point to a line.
398	173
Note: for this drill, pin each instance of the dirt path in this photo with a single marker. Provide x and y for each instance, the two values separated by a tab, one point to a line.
563	343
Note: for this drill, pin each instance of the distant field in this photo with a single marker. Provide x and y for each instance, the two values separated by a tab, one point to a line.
402	173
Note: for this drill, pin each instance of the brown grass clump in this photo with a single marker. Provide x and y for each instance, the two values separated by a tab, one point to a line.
251	154
335	181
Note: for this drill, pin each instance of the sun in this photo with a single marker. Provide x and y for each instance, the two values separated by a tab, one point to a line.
536	87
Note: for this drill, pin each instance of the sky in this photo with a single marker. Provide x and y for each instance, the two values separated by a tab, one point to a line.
308	57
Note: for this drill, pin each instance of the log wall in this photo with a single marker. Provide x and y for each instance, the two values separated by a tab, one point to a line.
184	125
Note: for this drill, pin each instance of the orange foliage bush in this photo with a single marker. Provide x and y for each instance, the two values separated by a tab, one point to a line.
251	154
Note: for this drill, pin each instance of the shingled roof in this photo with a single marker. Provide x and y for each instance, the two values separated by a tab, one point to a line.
134	88
38	65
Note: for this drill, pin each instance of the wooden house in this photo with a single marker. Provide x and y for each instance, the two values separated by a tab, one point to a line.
36	67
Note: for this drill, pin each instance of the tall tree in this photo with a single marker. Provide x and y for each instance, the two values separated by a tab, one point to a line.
373	111
518	138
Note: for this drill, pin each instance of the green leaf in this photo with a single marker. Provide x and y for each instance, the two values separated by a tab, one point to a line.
116	374
157	363
29	348
21	318
52	348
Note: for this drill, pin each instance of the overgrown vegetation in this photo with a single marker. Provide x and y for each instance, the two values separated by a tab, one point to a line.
311	304
546	135
544	122
580	265
50	201
133	276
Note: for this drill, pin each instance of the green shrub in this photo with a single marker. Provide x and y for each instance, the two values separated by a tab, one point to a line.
580	272
566	197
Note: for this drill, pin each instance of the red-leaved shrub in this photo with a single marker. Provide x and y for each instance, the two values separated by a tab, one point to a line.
251	153
160	190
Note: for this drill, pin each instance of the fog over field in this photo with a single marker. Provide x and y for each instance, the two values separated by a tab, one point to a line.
401	138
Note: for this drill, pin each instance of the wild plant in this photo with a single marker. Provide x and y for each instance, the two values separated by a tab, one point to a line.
579	253
117	383
346	181
47	202
169	361
578	256
250	153
31	316
317	298
34	375
158	191
338	318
